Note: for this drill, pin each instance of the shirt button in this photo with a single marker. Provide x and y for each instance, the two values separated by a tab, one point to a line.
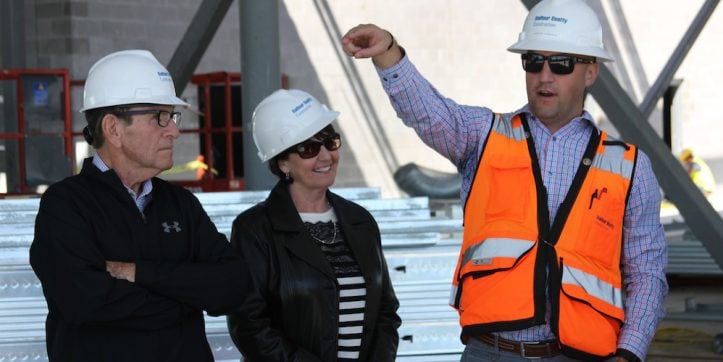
385	79
395	76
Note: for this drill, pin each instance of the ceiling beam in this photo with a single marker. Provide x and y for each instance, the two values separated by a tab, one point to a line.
196	40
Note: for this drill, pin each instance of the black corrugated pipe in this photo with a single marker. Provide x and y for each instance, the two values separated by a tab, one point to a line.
420	181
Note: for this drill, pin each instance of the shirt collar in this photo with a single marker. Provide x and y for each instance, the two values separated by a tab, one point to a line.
98	162
579	123
146	188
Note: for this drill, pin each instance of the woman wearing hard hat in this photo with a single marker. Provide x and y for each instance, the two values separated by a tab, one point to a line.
563	255
323	291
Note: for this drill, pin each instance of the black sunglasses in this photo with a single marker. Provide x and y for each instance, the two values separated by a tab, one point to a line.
162	117
559	63
311	148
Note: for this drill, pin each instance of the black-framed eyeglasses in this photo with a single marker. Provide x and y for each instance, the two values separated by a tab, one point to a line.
311	148
559	63
162	117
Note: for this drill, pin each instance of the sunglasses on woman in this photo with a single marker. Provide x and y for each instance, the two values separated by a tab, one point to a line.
559	63
312	147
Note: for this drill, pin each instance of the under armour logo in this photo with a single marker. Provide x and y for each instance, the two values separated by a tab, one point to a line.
596	195
168	227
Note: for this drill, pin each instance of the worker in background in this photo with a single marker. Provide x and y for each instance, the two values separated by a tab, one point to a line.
563	254
699	171
323	291
129	262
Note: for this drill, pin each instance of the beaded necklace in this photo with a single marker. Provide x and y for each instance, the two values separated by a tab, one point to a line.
330	241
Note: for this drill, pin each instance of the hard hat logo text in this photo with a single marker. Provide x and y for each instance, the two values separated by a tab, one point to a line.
164	75
551	18
302	107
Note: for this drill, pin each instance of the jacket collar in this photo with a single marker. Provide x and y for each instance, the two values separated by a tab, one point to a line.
285	219
110	179
286	222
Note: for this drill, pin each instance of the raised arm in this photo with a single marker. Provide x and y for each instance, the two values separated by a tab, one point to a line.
453	130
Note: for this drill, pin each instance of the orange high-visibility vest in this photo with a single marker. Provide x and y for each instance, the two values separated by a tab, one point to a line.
512	259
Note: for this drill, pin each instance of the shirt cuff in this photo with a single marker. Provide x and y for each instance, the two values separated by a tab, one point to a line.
630	356
633	344
392	77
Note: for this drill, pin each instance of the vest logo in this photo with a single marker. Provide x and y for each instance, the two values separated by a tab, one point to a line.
597	195
604	222
175	226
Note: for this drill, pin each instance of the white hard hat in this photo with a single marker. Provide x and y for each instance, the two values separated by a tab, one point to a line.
285	118
129	77
565	26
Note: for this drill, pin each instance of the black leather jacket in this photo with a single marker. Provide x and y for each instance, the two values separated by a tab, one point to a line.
293	313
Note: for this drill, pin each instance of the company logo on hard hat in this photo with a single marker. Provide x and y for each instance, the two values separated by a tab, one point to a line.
302	107
164	75
542	20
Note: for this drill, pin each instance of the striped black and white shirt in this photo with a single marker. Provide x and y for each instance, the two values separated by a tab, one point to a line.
352	291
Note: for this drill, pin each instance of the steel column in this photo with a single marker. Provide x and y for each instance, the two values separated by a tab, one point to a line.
12	34
261	71
670	127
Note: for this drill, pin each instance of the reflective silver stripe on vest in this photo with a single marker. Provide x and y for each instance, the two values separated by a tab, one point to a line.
483	253
613	160
503	125
453	296
593	286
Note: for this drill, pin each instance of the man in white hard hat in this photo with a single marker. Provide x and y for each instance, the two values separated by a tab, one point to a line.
563	254
128	262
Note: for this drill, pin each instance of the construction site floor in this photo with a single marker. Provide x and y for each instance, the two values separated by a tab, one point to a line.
694	317
694	313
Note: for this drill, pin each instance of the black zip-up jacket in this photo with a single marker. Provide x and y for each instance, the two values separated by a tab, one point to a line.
293	313
183	266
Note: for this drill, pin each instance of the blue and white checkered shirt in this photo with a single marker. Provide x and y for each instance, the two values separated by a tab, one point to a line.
458	131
